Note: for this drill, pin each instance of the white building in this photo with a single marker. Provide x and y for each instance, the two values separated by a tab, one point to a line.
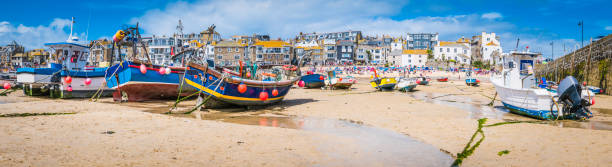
413	58
397	44
490	46
459	51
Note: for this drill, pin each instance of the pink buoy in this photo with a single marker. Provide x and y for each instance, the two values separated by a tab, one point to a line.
301	84
69	88
143	69
7	85
162	70
68	79
88	81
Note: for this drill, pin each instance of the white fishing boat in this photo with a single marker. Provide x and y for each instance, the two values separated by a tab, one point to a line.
517	88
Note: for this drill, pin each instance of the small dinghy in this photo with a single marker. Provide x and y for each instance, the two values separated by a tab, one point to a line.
422	80
442	79
313	80
406	84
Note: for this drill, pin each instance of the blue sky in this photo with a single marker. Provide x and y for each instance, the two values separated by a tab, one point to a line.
536	22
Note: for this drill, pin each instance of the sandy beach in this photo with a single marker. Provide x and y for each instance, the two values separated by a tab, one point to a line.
311	127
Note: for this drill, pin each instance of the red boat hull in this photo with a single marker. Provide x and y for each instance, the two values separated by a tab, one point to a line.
137	92
443	80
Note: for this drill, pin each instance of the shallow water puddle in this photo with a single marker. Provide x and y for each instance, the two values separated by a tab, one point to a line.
476	109
376	146
479	110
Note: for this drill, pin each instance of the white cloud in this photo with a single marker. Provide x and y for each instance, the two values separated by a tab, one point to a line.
33	37
286	19
609	28
492	15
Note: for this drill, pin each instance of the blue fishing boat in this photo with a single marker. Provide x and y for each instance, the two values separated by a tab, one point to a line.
472	82
225	89
135	81
314	80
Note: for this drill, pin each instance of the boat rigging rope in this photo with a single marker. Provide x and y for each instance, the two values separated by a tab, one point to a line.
101	89
209	96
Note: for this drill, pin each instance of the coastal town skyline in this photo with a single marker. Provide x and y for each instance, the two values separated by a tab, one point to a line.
96	20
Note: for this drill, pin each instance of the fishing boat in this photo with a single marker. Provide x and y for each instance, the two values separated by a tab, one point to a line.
8	78
406	84
134	80
313	80
35	81
422	80
442	79
227	90
472	81
336	82
137	81
518	90
595	90
76	80
384	83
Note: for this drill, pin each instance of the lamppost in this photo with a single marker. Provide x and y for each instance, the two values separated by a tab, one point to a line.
581	25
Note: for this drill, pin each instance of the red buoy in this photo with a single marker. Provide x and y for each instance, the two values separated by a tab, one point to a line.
242	88
321	77
7	85
263	96
301	83
274	92
88	81
69	88
68	79
339	79
248	75
143	69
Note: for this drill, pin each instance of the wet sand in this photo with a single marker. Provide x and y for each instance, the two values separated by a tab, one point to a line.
311	127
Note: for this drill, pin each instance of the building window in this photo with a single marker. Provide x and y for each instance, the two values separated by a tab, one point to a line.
419	61
220	57
229	50
236	49
441	50
260	56
219	49
330	55
455	50
448	50
286	57
236	57
464	51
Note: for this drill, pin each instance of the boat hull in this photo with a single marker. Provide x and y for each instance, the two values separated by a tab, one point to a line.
384	84
442	79
313	81
132	85
224	91
535	103
471	82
